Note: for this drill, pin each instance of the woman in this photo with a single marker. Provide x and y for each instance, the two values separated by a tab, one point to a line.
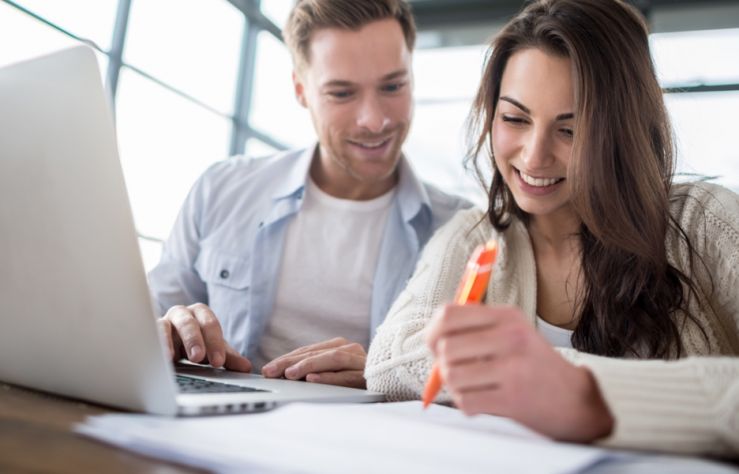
601	255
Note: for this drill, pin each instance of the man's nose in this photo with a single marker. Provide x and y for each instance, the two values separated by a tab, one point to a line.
371	115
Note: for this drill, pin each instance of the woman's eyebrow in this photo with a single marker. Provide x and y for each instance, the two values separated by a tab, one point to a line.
565	116
516	103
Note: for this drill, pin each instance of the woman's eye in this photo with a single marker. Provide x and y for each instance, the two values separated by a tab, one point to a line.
568	132
513	120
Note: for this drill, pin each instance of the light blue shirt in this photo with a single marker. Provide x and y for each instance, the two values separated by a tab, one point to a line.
226	245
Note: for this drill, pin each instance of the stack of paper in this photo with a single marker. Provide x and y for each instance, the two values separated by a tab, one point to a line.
341	438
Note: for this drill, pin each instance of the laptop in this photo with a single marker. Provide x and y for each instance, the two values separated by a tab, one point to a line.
77	318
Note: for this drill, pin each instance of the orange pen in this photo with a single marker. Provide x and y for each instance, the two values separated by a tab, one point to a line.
471	290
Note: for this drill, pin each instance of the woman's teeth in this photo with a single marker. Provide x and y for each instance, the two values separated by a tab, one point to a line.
538	182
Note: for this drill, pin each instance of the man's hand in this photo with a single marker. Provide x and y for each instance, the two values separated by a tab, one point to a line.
193	332
493	361
334	362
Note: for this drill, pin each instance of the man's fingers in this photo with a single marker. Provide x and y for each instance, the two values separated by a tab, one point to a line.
335	342
210	328
276	367
236	361
346	378
330	360
188	329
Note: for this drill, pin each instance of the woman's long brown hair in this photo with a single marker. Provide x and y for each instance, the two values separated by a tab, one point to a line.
620	172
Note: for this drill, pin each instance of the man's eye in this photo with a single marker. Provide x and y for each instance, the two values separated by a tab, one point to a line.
394	87
340	94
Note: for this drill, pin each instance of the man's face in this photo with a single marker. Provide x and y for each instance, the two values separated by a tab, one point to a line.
357	87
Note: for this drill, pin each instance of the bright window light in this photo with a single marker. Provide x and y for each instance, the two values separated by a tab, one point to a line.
274	107
95	24
696	57
193	45
31	38
165	142
277	10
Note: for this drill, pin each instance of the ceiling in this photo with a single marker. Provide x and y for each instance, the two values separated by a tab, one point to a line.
459	22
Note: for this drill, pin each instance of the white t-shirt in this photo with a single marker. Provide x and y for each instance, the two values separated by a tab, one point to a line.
327	270
557	336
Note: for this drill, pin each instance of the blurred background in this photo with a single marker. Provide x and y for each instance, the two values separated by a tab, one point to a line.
196	81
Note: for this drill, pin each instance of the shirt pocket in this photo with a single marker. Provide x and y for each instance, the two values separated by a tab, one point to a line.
228	280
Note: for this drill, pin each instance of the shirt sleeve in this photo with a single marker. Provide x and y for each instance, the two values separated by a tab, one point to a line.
174	281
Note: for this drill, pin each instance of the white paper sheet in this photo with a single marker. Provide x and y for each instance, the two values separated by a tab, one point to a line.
340	438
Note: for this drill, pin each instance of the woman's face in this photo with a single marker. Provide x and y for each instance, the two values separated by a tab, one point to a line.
532	130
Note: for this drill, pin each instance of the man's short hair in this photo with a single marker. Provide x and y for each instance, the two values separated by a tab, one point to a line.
307	16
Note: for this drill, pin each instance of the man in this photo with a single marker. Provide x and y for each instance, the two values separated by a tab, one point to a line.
292	261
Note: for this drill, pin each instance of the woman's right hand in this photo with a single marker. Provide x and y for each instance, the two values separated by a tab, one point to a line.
493	361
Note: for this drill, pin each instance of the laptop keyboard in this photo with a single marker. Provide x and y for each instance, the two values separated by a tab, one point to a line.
193	385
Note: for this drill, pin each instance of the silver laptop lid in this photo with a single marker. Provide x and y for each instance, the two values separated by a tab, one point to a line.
77	318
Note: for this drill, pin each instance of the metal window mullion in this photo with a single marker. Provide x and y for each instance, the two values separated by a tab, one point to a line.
241	131
116	48
688	89
251	9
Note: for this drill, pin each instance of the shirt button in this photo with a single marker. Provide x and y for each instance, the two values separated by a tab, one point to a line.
224	274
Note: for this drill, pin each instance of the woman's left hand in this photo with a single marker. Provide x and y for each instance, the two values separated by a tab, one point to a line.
493	361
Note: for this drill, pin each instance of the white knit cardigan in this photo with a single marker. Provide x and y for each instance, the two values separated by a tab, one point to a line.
688	406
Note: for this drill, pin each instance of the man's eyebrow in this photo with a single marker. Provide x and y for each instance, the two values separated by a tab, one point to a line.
338	83
395	75
565	116
387	77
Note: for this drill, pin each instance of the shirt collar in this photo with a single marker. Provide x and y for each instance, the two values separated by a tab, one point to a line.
293	185
411	195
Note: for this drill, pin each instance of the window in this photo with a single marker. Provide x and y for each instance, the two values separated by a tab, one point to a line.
706	134
277	11
274	107
197	52
696	57
30	37
704	122
96	24
256	148
165	143
179	79
445	83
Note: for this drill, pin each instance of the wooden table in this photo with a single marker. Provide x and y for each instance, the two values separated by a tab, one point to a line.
36	436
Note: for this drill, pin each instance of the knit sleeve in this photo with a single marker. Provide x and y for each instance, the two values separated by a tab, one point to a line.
399	362
710	217
687	406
